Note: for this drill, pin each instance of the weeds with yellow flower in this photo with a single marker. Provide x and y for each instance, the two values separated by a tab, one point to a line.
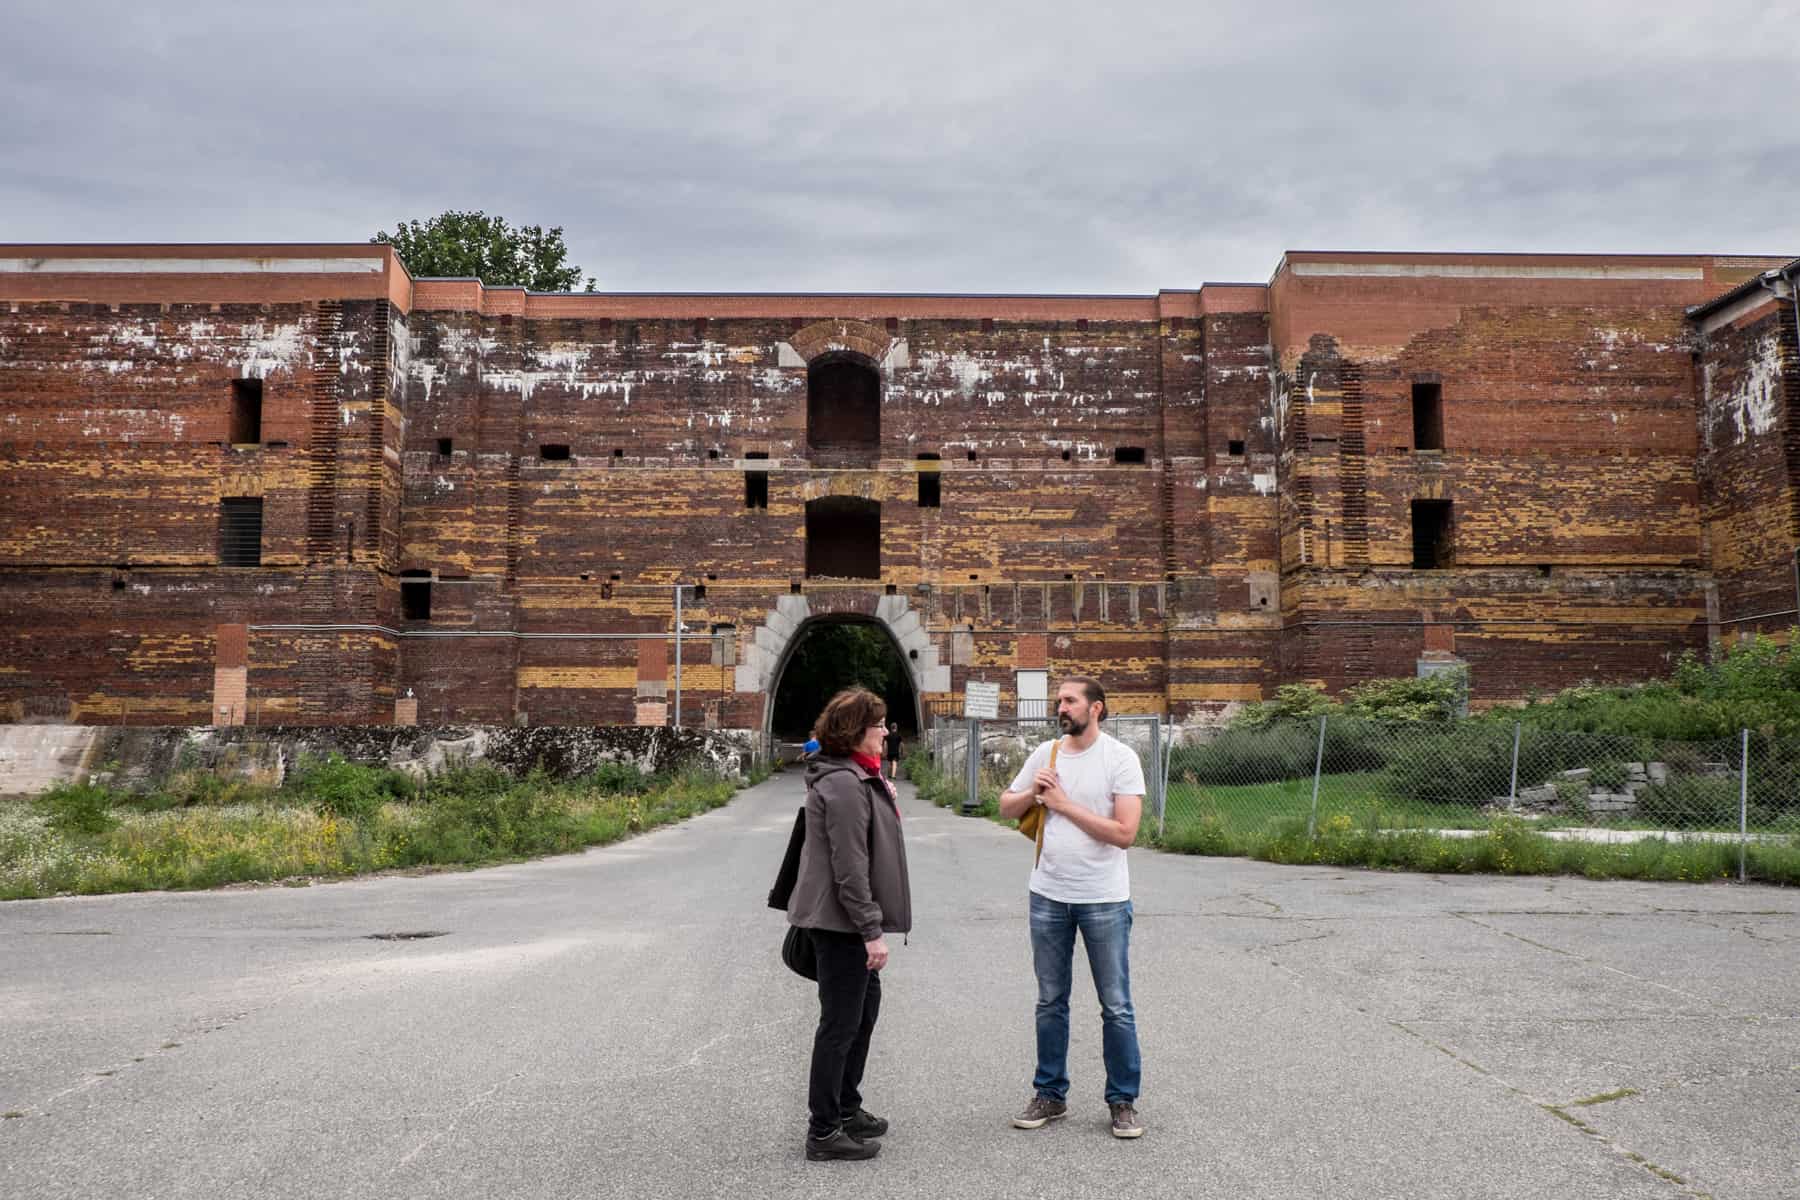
331	823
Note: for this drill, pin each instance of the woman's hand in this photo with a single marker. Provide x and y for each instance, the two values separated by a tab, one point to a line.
878	954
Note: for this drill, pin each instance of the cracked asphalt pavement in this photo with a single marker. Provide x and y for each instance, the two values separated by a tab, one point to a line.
618	1023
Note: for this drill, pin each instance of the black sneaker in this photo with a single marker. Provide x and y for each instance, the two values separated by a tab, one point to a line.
839	1145
1040	1112
863	1125
1125	1120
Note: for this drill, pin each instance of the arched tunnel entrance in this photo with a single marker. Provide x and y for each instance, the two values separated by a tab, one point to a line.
836	651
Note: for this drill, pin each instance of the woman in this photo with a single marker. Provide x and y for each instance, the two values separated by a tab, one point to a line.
852	888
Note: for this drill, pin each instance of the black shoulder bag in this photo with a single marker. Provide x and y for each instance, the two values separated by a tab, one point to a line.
796	945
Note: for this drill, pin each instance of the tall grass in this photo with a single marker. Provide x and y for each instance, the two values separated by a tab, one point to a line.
330	819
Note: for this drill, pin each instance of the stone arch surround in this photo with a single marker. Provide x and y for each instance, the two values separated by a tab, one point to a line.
766	650
843	335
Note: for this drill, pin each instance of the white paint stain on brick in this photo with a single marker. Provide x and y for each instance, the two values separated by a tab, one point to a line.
1750	406
427	375
269	347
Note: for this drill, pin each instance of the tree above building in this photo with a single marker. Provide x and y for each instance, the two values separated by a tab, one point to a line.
462	244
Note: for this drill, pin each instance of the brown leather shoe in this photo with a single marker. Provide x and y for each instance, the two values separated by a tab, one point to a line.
1125	1121
1040	1112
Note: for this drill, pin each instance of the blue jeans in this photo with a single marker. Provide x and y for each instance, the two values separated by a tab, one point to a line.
1106	932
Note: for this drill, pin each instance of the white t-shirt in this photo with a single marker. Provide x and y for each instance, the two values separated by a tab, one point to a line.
1075	868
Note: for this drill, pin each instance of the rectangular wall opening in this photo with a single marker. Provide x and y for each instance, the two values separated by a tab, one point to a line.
553	452
240	531
843	538
930	489
415	596
445	446
1234	448
246	411
1128	454
756	483
1431	529
1428	416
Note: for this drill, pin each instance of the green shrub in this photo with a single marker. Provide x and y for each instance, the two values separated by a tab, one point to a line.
1251	754
1401	700
618	779
1690	802
1208	836
347	789
464	779
1572	798
1753	684
195	788
78	808
1471	762
1468	764
1292	702
1410	699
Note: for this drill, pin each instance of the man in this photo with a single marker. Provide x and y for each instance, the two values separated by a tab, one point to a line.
1094	798
891	744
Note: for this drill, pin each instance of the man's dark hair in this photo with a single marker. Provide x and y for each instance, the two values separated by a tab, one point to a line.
1090	688
846	717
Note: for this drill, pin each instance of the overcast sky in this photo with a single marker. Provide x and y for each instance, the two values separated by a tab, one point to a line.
915	146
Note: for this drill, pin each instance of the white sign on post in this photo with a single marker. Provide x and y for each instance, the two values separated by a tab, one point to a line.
981	700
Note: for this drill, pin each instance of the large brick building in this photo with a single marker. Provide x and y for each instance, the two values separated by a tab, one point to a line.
293	484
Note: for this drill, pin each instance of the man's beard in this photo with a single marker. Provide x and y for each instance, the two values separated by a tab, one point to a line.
1071	725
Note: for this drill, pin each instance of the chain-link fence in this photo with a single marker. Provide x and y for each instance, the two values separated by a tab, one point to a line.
1002	746
1257	781
1233	787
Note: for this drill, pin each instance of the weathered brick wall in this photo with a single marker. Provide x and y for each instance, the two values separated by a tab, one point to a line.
1602	482
114	457
1226	621
1569	449
1746	470
659	416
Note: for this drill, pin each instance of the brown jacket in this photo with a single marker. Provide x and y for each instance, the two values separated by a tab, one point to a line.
853	866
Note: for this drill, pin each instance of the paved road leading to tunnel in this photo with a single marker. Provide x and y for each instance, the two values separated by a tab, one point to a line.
617	1023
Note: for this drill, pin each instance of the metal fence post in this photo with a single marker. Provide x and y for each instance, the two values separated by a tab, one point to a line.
1312	821
1168	753
1743	802
1159	776
1512	789
972	768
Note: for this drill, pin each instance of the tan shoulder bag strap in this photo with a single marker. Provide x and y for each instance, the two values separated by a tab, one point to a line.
1038	857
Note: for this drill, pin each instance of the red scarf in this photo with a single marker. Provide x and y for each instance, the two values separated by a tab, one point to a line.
872	765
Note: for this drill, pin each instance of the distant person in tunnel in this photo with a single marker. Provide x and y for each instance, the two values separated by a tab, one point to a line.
1092	788
892	752
851	890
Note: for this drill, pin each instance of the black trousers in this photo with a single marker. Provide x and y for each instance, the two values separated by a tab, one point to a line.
849	1003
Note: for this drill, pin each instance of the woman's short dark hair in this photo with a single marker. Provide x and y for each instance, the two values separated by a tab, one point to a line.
846	717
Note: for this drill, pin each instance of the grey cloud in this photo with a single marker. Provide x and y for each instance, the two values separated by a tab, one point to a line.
947	147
